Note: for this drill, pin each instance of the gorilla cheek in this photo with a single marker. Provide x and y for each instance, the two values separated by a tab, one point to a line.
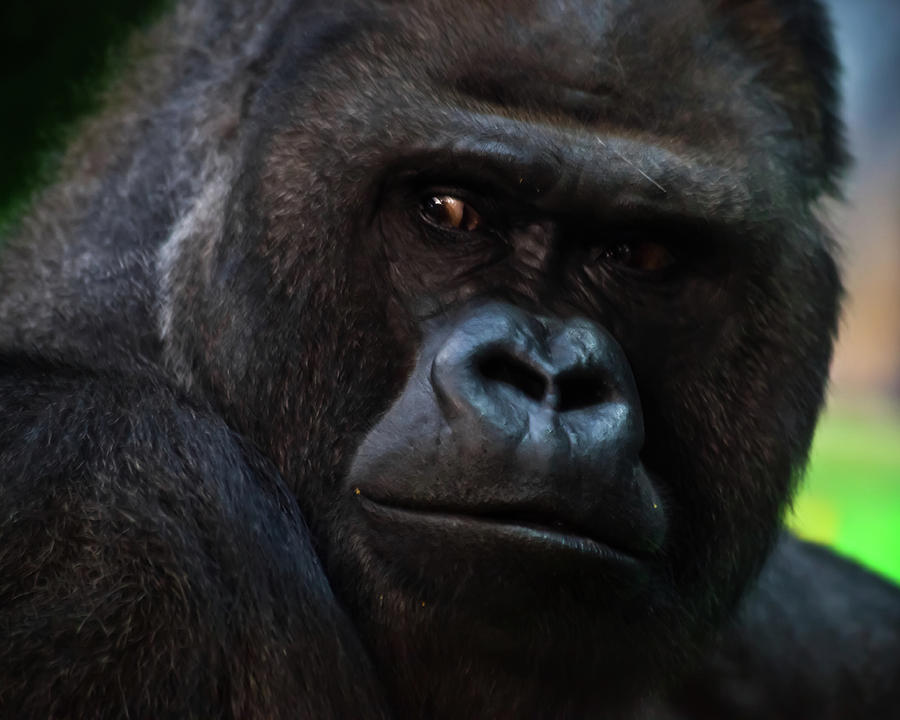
509	463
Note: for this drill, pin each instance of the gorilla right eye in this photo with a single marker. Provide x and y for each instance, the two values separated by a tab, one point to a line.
451	213
642	256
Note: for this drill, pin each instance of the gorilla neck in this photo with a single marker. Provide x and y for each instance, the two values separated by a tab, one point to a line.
454	673
463	687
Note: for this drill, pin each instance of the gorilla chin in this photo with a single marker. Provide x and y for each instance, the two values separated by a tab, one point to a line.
412	360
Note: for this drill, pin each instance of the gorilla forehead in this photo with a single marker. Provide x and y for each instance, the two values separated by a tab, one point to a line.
553	58
548	89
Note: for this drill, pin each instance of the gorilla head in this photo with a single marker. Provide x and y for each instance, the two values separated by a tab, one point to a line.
527	302
530	305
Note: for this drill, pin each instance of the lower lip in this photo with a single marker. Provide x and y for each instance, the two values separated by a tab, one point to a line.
522	535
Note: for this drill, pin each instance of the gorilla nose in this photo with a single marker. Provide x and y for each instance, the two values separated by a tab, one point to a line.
511	369
561	389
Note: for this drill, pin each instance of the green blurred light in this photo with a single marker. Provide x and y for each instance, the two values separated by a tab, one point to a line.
851	499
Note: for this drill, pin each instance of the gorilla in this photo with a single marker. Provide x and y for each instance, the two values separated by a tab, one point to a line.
376	359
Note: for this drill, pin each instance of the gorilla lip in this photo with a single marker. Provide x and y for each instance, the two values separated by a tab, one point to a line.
512	523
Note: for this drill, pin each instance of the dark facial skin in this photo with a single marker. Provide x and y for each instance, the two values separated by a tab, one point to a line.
582	331
421	360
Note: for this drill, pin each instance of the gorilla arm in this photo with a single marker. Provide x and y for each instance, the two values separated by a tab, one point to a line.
152	565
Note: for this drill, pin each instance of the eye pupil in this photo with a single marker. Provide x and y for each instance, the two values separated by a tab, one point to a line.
619	254
643	256
450	212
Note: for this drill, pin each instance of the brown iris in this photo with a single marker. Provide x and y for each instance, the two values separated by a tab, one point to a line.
450	212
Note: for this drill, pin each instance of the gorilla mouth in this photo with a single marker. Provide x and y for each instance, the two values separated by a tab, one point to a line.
525	525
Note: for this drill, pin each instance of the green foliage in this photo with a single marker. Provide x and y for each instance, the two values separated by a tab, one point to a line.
851	500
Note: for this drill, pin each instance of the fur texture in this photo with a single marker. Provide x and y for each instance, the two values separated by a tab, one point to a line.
208	312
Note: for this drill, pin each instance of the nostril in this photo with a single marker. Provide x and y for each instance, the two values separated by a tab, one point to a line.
504	368
580	389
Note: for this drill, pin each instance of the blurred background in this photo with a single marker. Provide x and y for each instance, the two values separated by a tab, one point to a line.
851	498
56	56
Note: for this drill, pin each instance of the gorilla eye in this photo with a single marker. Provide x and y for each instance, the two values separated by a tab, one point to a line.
643	256
446	211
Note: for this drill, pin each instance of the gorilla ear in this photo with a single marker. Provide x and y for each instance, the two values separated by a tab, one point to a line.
794	42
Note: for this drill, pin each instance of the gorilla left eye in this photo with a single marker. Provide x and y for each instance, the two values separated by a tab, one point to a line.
643	256
446	211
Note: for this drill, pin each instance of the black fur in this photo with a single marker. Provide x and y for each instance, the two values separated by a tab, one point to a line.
226	292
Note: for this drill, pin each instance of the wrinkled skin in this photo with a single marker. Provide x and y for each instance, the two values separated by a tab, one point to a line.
415	360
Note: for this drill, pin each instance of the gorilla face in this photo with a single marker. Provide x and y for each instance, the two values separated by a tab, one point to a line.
558	315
